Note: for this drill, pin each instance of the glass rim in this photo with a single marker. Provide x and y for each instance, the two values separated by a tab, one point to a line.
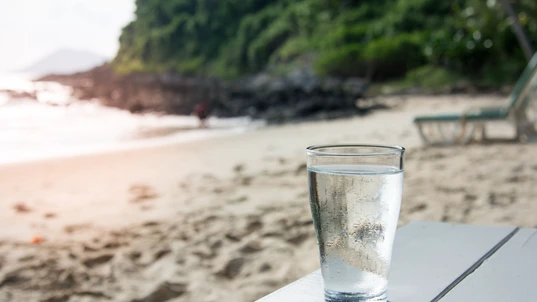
390	150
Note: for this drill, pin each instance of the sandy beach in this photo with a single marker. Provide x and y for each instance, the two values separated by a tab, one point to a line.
228	218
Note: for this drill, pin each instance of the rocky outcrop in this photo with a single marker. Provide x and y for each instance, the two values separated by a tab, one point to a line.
14	94
301	94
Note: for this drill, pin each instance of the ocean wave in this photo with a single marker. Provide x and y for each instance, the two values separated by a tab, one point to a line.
55	124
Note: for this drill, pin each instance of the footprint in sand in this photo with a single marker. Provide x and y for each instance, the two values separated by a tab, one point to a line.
252	247
22	208
17	276
501	199
239	199
265	267
95	261
161	253
298	239
232	268
49	215
76	227
245	181
418	208
209	177
151	224
164	292
26	258
517	179
141	193
301	169
134	255
146	208
238	168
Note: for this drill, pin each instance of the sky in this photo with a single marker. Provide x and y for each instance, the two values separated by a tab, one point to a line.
33	29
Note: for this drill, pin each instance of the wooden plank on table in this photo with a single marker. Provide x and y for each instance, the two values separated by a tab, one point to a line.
427	258
510	274
430	256
306	289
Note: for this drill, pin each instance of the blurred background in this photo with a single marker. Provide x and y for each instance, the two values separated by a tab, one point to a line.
154	150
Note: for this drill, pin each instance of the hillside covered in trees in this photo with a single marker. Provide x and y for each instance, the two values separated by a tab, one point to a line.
377	39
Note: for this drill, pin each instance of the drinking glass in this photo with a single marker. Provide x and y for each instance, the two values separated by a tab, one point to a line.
355	197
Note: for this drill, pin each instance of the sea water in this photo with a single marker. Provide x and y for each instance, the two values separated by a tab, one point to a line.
44	120
355	210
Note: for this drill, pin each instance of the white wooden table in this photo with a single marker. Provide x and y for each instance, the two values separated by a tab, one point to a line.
446	262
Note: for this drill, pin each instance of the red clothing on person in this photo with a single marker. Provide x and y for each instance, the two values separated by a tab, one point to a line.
202	110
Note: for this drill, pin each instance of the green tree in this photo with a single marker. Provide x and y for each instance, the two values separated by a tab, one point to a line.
379	39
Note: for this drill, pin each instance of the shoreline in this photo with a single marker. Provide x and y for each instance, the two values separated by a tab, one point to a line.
153	142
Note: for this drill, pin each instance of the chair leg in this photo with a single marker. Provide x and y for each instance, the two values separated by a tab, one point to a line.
525	131
423	137
460	139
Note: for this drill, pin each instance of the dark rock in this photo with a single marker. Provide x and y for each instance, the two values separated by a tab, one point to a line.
14	94
355	87
300	94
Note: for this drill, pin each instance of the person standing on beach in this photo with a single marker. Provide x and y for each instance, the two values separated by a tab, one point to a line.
202	112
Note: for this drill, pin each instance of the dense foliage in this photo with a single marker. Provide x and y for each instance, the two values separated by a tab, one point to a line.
380	39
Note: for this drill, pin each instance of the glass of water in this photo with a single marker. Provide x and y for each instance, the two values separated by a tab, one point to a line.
355	197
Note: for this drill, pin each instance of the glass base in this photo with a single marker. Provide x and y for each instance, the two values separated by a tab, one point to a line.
333	296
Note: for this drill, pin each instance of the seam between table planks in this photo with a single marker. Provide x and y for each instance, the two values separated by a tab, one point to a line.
475	266
529	238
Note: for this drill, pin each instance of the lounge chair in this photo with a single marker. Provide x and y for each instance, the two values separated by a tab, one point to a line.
464	127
